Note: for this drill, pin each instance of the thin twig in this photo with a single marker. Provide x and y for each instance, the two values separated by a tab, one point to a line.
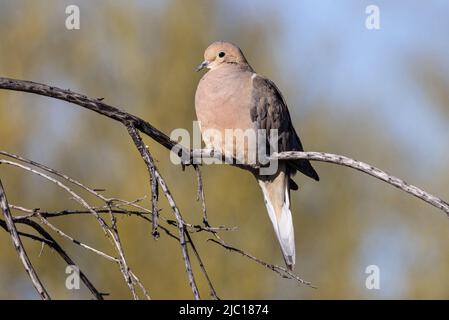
100	210
134	123
368	169
279	270
77	242
185	252
111	233
89	103
340	160
57	173
122	261
148	159
199	228
19	246
140	124
75	196
66	212
200	194
213	293
182	240
51	242
144	290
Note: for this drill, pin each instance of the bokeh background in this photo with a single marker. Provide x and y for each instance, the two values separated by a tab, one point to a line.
380	96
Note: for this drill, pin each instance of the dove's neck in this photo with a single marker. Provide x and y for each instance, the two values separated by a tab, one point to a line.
232	67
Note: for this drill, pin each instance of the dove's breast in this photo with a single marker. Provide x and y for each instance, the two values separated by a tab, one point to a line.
222	103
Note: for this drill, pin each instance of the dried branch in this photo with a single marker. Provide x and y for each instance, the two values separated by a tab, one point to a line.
284	273
141	214
149	162
143	126
343	161
122	260
56	173
93	104
368	169
19	246
188	157
213	293
51	242
200	194
77	242
145	153
111	232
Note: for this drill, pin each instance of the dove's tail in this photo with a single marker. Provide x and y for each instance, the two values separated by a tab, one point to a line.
277	200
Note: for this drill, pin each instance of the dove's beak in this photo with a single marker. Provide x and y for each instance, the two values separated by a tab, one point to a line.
202	65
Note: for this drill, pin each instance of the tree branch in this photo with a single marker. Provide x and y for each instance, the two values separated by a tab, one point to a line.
368	169
148	159
435	201
95	105
110	232
135	124
19	246
284	273
51	242
140	124
149	162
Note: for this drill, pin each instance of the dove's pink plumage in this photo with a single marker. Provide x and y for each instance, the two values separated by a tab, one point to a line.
232	96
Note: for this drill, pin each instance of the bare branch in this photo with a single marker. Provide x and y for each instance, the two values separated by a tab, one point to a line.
188	157
88	103
200	194
340	160
19	246
51	242
148	129
75	196
110	232
148	159
122	261
55	172
180	222
368	169
213	293
77	242
279	270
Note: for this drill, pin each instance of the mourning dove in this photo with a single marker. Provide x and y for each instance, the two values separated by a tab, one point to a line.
232	96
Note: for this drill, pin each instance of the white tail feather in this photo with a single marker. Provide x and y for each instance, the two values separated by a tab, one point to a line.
282	222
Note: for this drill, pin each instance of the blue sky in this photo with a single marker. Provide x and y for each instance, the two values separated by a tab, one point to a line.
327	42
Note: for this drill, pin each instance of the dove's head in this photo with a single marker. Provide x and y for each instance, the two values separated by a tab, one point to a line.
221	53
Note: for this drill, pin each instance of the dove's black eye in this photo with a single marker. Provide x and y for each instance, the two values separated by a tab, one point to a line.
221	54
